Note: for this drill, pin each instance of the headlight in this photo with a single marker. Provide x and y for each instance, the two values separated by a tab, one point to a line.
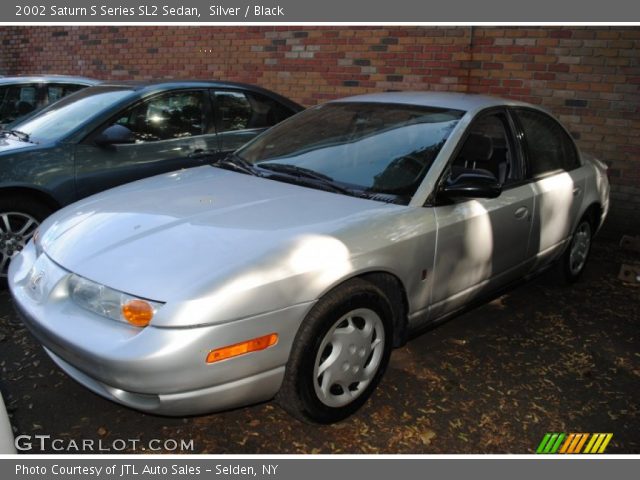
110	303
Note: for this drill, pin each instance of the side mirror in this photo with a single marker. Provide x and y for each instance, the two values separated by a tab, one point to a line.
472	183
113	135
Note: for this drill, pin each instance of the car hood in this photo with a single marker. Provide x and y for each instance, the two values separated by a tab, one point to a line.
10	144
175	236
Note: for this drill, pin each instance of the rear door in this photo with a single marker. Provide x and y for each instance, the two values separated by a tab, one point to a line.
483	243
242	115
172	130
553	168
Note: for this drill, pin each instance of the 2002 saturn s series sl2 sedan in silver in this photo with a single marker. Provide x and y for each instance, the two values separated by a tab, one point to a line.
292	267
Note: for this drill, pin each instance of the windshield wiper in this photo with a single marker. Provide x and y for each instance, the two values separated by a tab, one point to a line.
295	170
23	136
236	163
305	176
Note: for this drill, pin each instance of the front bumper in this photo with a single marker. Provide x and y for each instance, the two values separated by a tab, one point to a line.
157	370
245	391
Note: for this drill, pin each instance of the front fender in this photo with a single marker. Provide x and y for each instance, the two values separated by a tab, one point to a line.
48	171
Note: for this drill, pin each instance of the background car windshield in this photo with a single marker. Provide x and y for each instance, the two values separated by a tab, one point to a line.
374	147
70	112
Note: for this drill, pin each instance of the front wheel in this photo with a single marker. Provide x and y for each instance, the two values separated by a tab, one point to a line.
339	355
19	219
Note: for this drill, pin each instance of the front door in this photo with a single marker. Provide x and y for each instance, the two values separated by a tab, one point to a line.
483	243
172	131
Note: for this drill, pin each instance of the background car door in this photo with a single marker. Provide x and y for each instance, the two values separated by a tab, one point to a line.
171	130
240	116
483	243
557	179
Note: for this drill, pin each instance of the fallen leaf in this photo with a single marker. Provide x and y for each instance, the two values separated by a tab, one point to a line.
427	436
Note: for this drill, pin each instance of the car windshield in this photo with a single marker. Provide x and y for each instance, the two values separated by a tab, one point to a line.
375	149
69	113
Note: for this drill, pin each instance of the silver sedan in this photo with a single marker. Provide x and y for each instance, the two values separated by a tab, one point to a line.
292	268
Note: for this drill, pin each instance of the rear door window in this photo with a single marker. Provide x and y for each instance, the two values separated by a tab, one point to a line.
234	111
240	116
247	110
547	145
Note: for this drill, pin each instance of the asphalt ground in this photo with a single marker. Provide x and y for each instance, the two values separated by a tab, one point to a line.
541	358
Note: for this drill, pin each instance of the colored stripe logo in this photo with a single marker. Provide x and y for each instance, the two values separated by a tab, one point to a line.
574	443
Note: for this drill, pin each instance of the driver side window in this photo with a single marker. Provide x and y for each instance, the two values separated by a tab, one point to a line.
489	147
175	115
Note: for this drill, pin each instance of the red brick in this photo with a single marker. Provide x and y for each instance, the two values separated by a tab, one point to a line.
541	65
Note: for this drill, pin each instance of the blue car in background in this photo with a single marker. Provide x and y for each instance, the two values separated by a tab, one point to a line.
115	133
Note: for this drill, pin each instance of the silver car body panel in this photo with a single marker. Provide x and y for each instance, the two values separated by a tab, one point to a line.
7	445
244	391
235	257
132	365
286	239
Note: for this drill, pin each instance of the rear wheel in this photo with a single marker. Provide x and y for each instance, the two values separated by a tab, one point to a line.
19	219
339	355
576	256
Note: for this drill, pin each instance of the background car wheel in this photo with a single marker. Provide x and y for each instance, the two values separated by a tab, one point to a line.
339	355
19	219
575	258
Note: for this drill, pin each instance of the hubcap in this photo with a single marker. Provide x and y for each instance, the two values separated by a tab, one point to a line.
580	248
16	229
349	357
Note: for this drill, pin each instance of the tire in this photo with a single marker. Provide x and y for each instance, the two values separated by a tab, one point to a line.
574	259
19	219
339	354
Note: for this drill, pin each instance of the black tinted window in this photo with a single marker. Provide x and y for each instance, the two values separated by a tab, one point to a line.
548	146
489	146
17	101
174	115
57	91
242	111
234	111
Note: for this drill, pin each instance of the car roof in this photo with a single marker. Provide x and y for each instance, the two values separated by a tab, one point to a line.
18	79
149	85
459	101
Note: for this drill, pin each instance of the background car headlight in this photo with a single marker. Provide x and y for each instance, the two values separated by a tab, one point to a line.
111	303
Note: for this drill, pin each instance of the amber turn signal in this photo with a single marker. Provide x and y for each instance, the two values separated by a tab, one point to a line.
137	312
241	348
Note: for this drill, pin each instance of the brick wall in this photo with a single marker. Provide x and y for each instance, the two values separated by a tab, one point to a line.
588	76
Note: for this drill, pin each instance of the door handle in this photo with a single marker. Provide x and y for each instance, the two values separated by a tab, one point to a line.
521	213
577	191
